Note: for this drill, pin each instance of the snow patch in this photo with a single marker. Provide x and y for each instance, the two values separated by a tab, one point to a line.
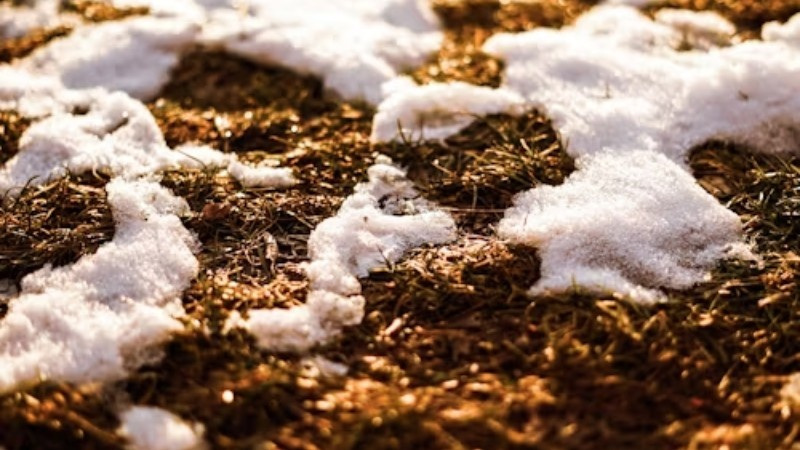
788	32
18	21
383	219
700	30
150	428
97	318
117	133
608	87
355	46
39	96
133	55
609	228
438	110
629	106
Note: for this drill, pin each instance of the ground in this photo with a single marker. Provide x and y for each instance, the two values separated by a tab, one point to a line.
452	353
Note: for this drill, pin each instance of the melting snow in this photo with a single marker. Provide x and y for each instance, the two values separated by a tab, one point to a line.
614	81
117	133
438	110
627	101
355	46
103	315
629	104
618	230
622	95
150	428
375	226
133	55
18	21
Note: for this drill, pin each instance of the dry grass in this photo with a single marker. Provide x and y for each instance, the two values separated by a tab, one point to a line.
11	49
53	224
452	354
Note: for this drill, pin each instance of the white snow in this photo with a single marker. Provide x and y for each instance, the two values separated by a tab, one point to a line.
622	95
615	81
375	226
355	46
97	318
700	30
38	96
438	110
18	21
788	32
117	133
150	428
192	156
624	220
133	55
630	96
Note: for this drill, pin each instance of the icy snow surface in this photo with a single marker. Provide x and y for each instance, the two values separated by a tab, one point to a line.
383	219
97	318
629	103
150	428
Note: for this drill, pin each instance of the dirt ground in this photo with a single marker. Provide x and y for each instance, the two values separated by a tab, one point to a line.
452	354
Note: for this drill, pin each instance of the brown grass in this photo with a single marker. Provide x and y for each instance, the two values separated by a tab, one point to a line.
452	353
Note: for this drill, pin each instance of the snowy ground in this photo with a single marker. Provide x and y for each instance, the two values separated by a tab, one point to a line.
391	222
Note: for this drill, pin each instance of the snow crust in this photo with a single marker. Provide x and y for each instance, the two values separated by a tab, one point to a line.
39	96
97	318
375	226
355	46
150	428
788	32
